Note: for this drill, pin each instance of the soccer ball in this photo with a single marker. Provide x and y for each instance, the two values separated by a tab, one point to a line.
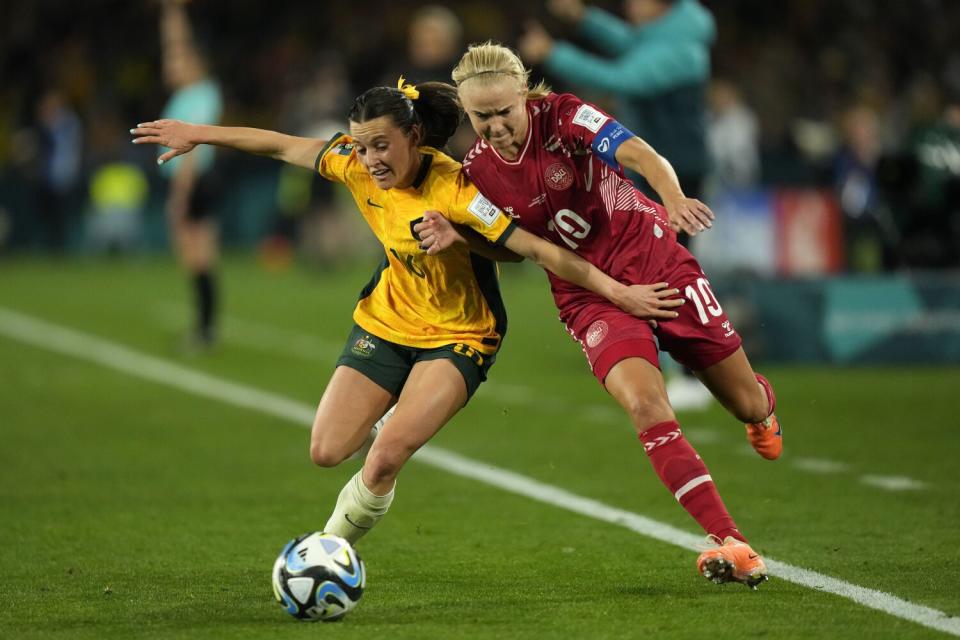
318	576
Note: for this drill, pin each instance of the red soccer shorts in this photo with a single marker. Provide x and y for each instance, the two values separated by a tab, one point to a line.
701	336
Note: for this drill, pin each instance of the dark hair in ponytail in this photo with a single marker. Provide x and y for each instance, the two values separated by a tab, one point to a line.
437	110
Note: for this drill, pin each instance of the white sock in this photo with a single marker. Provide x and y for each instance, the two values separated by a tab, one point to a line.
357	511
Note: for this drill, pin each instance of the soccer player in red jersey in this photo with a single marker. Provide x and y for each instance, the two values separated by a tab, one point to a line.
554	163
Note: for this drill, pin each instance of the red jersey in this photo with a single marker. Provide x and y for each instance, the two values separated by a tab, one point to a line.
559	190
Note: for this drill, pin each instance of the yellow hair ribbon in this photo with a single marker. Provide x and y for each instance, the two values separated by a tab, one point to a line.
408	89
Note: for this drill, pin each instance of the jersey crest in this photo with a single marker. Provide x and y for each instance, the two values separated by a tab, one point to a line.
344	148
558	177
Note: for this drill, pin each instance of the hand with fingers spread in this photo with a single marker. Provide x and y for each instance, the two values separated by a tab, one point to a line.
178	136
690	215
652	302
436	233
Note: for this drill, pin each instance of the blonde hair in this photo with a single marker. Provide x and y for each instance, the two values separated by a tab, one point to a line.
491	60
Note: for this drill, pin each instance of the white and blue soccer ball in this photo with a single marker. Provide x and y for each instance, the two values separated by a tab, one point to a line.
318	576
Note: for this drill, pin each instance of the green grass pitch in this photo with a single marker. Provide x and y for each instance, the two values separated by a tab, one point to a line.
130	509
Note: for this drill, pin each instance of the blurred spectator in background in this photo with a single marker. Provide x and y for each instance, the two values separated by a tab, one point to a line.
191	180
932	231
870	235
60	157
733	139
118	193
309	211
658	68
434	44
800	64
434	40
118	189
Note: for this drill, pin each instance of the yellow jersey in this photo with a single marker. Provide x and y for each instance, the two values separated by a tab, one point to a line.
414	299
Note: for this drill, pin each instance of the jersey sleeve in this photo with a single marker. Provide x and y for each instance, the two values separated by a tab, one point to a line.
470	208
579	122
586	127
335	159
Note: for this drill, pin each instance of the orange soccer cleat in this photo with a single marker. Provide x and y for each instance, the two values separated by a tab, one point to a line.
765	437
733	561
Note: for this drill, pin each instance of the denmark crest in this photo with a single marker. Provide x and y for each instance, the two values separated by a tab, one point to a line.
558	177
596	332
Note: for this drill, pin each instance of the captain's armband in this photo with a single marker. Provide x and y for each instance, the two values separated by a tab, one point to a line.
608	139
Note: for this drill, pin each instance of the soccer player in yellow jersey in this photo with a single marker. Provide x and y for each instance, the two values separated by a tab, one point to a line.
428	327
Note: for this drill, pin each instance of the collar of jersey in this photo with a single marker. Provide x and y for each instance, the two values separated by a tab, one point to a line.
426	160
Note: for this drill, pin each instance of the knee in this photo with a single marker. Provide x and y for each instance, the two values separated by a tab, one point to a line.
383	464
326	454
647	409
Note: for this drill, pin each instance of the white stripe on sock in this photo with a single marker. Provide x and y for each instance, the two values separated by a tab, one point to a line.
690	486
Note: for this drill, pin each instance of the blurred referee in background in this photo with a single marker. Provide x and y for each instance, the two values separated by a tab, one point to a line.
191	180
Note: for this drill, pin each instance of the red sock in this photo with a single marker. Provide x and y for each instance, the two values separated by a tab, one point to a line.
683	472
771	397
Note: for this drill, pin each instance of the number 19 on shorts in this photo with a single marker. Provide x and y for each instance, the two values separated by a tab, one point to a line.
703	298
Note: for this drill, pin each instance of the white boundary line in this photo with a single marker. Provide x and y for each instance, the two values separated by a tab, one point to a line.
51	337
252	334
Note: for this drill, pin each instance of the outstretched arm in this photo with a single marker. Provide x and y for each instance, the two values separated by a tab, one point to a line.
603	30
175	32
182	137
177	45
687	214
644	301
